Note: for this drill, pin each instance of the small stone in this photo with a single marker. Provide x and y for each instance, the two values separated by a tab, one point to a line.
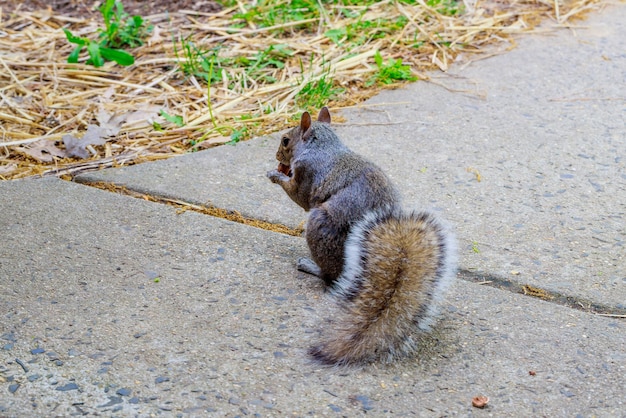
37	350
14	387
365	402
134	400
161	379
68	387
124	392
480	401
33	377
113	400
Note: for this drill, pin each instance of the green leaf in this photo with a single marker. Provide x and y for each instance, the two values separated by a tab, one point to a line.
336	35
137	21
391	71
75	39
107	9
176	119
379	59
237	135
94	53
73	58
117	55
282	49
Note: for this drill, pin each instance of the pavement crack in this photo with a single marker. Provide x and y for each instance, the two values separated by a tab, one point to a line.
182	206
572	302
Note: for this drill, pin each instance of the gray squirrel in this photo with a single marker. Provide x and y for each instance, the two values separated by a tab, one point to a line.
386	269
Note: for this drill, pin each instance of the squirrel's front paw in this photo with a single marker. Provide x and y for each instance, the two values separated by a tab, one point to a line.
276	176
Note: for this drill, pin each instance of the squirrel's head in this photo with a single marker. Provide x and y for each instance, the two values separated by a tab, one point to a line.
299	134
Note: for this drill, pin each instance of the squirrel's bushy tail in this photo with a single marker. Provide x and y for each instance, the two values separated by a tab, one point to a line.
397	266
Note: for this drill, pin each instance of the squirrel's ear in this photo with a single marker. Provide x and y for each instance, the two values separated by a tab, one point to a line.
305	123
324	115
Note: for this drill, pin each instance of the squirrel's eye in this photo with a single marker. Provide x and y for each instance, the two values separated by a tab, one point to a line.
285	141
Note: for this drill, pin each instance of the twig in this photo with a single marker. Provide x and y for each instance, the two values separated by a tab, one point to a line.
611	315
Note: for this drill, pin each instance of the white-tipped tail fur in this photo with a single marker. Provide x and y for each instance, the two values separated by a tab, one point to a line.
397	268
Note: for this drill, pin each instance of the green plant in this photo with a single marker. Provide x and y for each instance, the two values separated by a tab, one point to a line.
238	135
120	30
266	13
358	33
197	62
97	53
175	119
446	7
207	64
391	71
336	35
318	91
273	56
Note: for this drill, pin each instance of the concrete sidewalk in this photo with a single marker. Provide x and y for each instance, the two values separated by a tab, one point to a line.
117	306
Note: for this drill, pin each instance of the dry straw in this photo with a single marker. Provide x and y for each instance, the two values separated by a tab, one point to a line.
43	98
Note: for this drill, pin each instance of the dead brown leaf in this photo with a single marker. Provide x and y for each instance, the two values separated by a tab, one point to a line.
44	150
76	147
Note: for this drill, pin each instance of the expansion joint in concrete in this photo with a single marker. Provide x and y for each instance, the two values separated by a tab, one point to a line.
573	302
182	206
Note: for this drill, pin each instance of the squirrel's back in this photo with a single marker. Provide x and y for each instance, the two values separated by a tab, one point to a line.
397	267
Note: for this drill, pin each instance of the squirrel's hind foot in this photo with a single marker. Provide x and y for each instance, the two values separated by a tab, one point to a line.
308	266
